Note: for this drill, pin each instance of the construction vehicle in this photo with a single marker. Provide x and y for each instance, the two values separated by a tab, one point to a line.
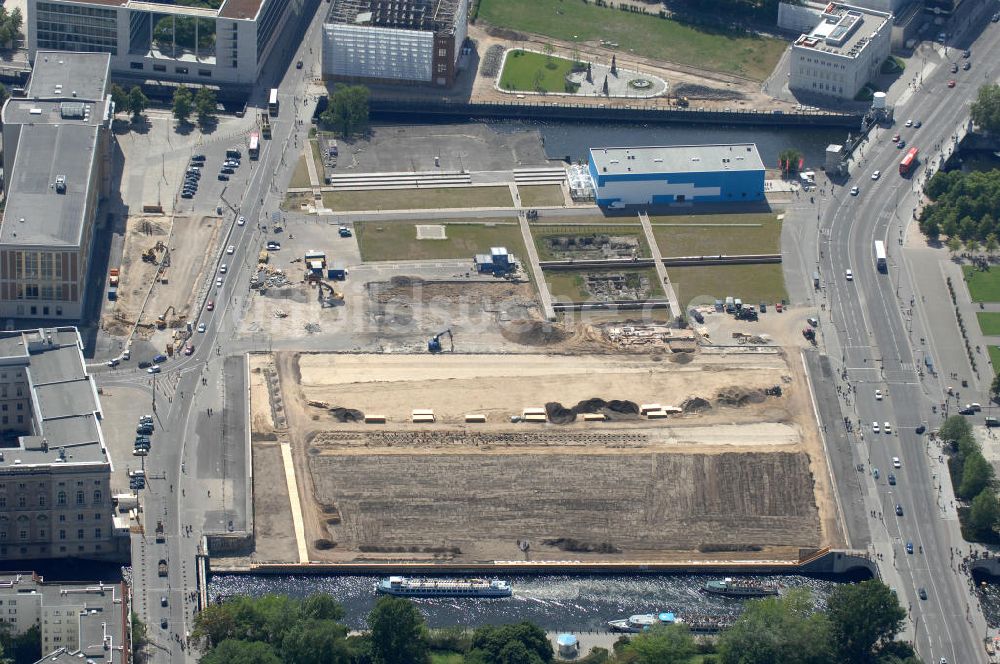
265	126
149	256
160	537
434	345
263	256
161	320
113	277
334	296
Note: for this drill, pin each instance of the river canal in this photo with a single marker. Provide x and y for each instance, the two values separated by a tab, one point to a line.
554	602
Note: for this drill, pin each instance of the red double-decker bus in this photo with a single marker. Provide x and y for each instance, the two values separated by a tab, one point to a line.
909	161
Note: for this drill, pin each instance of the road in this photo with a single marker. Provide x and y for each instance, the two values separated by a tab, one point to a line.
197	466
876	339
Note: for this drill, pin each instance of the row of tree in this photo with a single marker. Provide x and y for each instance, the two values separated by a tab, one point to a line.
10	26
972	475
23	648
203	103
964	205
859	625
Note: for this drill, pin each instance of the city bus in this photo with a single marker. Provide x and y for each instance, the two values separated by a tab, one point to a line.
272	102
254	148
880	263
909	162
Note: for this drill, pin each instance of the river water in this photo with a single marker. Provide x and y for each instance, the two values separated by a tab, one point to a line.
573	139
554	602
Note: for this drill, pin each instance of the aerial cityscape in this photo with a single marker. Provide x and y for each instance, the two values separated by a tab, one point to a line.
500	331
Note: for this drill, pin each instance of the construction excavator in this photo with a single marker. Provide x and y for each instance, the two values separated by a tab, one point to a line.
161	320
334	294
434	345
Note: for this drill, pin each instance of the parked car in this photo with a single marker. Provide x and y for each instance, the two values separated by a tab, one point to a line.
187	194
227	170
198	157
966	66
298	65
223	177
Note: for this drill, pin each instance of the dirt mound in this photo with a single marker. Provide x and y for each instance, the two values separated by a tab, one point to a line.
403	280
347	414
594	405
534	332
623	407
739	396
570	544
695	404
559	414
695	91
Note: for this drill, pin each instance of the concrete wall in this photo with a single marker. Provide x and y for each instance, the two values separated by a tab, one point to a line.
799	18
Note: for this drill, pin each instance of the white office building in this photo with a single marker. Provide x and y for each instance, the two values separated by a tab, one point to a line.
842	53
394	41
220	42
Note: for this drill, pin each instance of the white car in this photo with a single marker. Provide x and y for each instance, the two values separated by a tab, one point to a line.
153	369
874	427
909	123
887	428
896	463
201	327
230	249
876	175
878	395
855	191
242	220
223	268
218	282
849	275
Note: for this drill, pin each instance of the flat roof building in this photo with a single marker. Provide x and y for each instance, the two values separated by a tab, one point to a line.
394	41
842	53
220	42
79	622
652	175
57	161
55	470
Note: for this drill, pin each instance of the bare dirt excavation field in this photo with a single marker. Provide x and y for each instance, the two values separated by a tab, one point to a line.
739	473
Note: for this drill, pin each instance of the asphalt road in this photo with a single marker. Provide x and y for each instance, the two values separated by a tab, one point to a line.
196	470
874	335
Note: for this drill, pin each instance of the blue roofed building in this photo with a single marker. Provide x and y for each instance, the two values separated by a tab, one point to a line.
661	175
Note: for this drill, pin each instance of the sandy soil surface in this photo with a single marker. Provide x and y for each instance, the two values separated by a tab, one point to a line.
748	478
185	239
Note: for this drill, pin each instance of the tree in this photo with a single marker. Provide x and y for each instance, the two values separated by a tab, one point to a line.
347	111
316	642
669	644
991	244
985	110
955	428
183	104
976	474
204	103
490	641
789	159
864	618
995	386
972	245
23	647
137	103
119	98
984	512
139	637
954	244
234	651
397	632
778	629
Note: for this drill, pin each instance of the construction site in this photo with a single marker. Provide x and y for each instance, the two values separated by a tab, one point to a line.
622	443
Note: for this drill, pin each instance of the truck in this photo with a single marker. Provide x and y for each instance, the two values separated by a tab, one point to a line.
160	538
263	256
161	567
113	293
113	277
880	262
265	126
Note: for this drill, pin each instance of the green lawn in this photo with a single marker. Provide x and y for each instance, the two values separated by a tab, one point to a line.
525	71
994	358
989	322
983	286
545	254
570	285
645	35
751	283
397	240
538	195
414	199
711	235
300	177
